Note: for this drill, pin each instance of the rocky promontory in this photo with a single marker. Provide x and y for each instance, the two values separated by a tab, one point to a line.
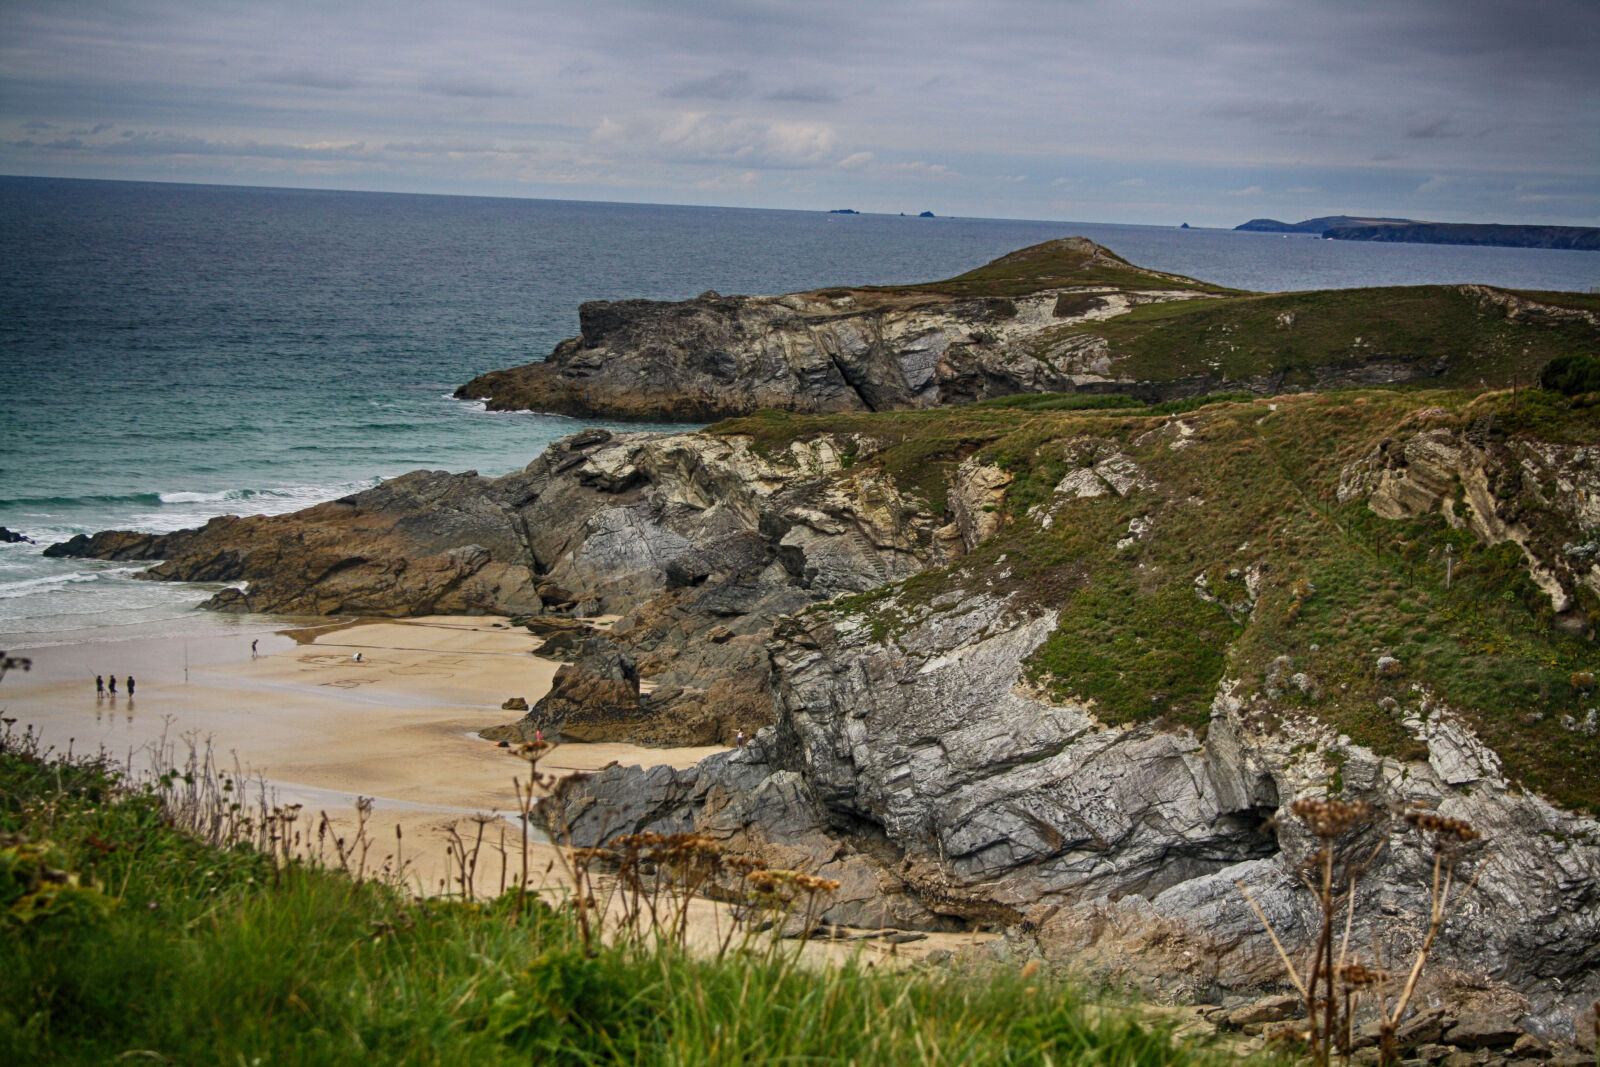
1351	228
833	350
1067	316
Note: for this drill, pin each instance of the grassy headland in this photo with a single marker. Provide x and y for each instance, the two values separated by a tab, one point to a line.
1296	335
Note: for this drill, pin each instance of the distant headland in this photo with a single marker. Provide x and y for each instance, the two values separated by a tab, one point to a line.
1358	228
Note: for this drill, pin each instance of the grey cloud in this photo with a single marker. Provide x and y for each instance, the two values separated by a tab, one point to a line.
97	128
38	126
473	88
65	144
307	78
1437	126
434	148
701	139
804	94
152	143
1305	117
728	85
1271	112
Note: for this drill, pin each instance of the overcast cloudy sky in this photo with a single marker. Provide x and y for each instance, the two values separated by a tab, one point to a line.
1157	111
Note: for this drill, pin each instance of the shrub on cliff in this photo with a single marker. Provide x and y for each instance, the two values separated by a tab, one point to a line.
1571	374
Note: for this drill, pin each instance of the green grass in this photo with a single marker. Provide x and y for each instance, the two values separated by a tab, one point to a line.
1295	334
1050	265
192	955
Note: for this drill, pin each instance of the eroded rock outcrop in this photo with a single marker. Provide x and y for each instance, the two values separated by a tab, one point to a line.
865	349
1536	494
698	541
925	744
923	766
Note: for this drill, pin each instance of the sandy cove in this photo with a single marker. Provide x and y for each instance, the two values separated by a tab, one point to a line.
322	728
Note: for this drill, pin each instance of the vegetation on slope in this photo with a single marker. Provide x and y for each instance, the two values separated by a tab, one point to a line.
1152	588
126	941
1298	335
1070	261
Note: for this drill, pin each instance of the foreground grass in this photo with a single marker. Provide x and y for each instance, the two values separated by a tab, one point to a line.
167	951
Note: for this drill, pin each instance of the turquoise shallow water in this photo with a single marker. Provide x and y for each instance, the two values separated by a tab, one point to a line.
170	352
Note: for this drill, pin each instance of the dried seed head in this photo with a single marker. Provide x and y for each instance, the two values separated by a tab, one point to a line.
813	884
1330	818
1447	831
1355	974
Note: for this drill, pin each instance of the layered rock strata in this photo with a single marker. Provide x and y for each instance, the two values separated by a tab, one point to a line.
828	350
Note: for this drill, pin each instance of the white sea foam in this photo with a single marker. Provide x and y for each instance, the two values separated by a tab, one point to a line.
200	498
33	586
271	499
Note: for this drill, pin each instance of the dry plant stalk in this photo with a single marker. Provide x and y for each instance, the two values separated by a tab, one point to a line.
649	881
1331	986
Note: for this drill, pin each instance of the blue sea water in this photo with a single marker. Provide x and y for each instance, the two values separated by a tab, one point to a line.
173	352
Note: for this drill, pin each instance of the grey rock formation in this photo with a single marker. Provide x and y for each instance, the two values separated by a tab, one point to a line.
697	541
924	757
830	350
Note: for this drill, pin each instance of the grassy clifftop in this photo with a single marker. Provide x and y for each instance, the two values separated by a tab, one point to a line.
1469	337
1182	549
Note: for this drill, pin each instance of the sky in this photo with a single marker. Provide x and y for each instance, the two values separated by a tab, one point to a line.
1209	112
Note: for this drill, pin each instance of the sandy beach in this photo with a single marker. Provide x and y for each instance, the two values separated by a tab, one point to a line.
320	727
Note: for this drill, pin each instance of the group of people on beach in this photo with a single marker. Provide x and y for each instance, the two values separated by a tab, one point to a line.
100	685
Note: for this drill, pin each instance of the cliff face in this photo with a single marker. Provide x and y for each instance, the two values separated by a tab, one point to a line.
1002	746
826	351
1063	317
939	788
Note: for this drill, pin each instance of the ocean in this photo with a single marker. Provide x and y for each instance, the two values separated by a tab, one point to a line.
173	352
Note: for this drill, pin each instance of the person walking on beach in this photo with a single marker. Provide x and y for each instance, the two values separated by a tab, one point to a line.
739	739
99	685
130	685
113	685
253	645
